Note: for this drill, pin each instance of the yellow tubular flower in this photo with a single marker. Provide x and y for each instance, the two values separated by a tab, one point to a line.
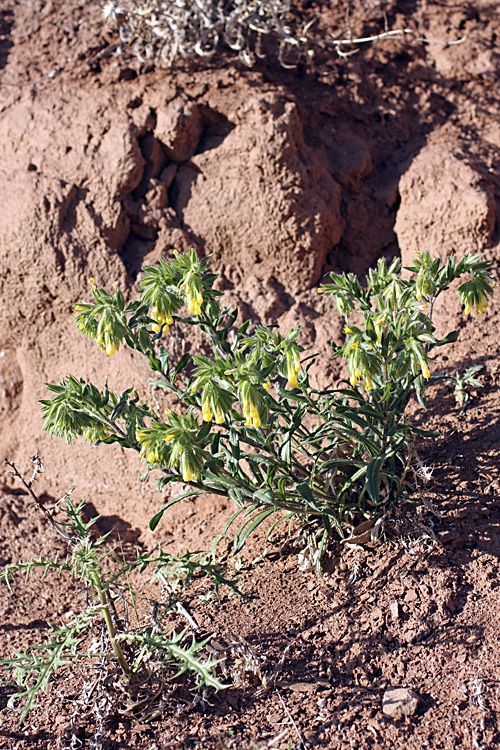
292	379
468	307
267	385
254	415
354	377
368	382
207	414
79	308
348	330
188	475
111	348
194	386
194	297
251	412
194	306
219	416
425	369
481	304
161	319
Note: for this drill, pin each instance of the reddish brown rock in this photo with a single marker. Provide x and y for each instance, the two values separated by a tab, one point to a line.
446	205
399	702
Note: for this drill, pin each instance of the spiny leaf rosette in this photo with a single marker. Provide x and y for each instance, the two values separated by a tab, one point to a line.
146	655
250	425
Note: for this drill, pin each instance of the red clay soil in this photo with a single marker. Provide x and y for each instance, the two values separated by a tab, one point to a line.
283	175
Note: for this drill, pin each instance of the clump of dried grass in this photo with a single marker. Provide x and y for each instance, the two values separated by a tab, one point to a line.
162	30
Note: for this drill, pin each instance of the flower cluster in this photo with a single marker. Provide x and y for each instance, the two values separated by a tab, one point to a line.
425	283
103	320
174	444
293	366
95	433
208	403
217	399
162	319
161	293
250	401
473	293
432	279
154	444
396	333
193	283
361	362
192	289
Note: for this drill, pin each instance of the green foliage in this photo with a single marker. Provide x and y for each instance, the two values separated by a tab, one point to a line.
463	383
133	649
250	425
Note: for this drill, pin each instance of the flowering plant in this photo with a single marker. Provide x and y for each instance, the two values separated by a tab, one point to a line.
249	424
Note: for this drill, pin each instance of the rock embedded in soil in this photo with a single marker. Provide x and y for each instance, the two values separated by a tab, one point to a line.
179	128
395	609
447	205
262	194
399	702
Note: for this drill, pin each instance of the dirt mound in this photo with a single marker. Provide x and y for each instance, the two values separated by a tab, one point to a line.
446	203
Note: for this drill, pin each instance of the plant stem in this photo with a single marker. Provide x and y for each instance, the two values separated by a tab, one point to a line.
108	423
106	612
386	408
